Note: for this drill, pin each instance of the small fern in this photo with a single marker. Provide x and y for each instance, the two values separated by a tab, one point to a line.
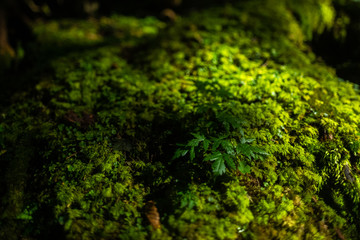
225	150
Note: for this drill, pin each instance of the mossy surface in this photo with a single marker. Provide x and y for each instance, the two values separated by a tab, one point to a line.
220	125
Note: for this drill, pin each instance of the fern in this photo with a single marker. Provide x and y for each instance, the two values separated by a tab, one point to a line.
251	152
218	165
223	151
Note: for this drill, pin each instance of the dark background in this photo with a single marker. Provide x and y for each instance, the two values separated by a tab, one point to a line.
16	15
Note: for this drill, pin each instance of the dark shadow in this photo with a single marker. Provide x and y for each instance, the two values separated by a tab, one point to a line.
342	53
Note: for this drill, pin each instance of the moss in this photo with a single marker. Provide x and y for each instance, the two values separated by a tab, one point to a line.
103	127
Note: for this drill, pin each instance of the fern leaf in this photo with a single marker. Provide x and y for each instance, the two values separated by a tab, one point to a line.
192	153
245	149
213	157
180	153
228	147
219	166
217	141
229	120
198	137
249	151
229	161
247	140
193	143
206	144
243	167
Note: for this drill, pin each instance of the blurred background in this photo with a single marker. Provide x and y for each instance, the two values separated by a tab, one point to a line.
338	46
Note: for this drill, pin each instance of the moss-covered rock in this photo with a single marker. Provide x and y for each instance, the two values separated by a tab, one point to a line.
220	125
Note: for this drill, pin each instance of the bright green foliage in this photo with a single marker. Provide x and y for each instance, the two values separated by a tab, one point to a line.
200	221
235	130
104	182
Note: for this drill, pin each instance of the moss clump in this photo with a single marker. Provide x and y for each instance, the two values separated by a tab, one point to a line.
269	137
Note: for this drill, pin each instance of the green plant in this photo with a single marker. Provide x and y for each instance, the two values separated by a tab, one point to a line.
228	149
91	143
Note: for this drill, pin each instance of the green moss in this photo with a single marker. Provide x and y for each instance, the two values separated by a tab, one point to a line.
101	130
